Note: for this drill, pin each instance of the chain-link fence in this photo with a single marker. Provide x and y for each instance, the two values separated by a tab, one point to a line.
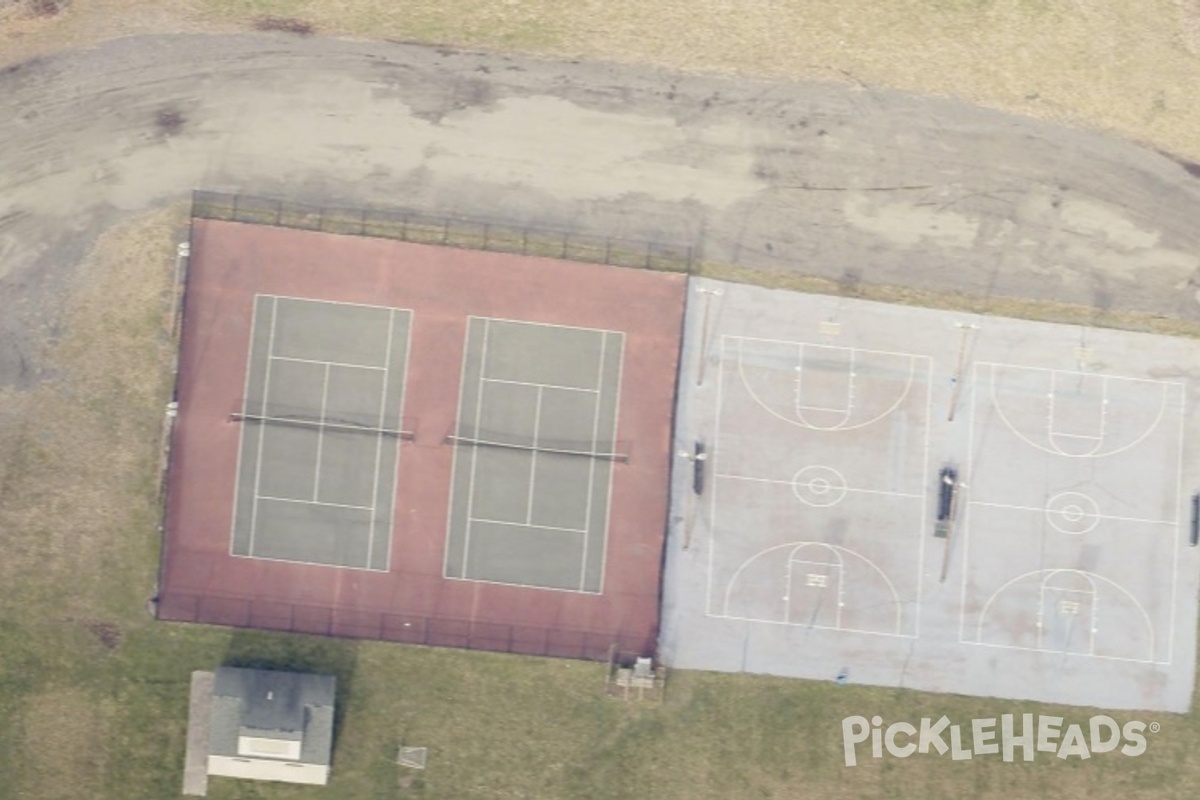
245	612
448	231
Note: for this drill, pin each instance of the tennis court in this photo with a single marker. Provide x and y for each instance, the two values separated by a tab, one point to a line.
420	444
321	428
535	447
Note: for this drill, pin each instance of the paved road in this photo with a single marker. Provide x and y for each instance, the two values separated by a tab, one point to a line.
849	183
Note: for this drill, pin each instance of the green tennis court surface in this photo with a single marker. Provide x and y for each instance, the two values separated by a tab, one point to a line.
321	424
535	446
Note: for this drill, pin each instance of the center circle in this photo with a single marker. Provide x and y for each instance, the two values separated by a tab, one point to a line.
1072	513
819	486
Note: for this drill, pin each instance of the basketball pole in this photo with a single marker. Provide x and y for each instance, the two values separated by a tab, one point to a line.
701	360
958	370
950	526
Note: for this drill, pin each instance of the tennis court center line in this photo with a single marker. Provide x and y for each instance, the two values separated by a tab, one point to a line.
321	435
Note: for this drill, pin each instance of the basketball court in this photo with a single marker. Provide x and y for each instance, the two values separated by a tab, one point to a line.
908	497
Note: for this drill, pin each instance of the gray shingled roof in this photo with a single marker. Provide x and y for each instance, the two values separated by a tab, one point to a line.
277	705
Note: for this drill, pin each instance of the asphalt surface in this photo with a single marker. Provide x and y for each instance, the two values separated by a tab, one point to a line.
850	183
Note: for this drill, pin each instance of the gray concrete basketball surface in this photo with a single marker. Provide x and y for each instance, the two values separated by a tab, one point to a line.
1065	574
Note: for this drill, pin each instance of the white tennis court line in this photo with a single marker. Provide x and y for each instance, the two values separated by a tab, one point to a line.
344	364
542	385
587	506
320	435
383	396
237	480
300	501
329	302
321	426
544	324
481	381
262	429
533	455
474	450
616	426
511	523
516	585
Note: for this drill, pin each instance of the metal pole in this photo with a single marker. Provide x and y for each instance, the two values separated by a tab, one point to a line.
703	349
958	370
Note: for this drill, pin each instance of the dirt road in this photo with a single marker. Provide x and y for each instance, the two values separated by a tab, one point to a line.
854	184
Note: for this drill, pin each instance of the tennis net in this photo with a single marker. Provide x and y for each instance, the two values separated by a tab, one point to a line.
600	450
306	419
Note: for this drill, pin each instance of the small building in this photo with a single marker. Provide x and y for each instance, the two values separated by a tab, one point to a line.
271	726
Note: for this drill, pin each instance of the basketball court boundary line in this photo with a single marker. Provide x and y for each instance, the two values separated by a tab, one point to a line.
800	423
838	549
849	489
1103	517
912	359
1162	408
714	454
1050	572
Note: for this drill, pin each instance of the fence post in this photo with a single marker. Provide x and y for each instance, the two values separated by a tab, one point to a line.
362	222
564	247
235	208
278	213
404	227
486	230
647	255
608	250
445	230
524	241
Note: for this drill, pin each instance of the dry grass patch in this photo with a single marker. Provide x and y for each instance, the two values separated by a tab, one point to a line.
73	498
65	732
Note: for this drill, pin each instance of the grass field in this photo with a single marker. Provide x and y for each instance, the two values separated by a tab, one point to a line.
94	692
